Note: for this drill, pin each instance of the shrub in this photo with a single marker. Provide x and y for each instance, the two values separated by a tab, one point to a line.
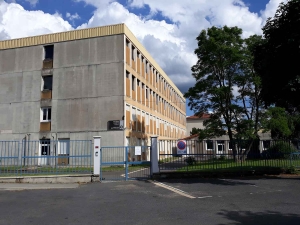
190	160
279	150
222	157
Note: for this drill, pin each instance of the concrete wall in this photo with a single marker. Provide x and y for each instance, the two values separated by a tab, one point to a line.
88	90
190	124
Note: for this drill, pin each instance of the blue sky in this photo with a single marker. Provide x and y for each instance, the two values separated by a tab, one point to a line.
167	28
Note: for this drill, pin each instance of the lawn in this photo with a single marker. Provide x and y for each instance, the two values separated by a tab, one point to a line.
231	165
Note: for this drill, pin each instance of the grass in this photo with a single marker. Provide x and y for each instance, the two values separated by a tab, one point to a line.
36	171
166	160
131	168
231	165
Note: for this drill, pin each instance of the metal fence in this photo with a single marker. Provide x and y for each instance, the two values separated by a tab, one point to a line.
211	155
45	157
125	163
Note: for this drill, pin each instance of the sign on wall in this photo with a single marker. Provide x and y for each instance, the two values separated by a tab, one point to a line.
115	125
138	150
181	147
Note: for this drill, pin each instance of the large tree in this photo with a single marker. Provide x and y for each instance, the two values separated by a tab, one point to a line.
277	59
227	85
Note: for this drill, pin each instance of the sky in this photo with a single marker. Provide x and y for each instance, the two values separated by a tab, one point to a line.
167	28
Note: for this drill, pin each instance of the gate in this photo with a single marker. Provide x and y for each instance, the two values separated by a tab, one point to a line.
125	163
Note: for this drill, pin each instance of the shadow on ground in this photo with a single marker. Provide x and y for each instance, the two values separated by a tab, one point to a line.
220	181
261	218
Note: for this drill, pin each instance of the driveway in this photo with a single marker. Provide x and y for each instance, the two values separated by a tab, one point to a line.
188	201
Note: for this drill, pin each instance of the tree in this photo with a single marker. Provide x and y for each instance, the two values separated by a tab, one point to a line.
226	83
277	59
281	124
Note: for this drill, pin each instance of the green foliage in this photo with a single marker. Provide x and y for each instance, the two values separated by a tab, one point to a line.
190	160
279	150
224	66
277	59
281	123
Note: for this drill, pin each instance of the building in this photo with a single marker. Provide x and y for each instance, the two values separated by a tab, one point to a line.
219	145
195	122
83	83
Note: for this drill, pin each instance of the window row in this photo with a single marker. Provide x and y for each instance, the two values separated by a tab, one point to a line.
142	66
141	121
141	93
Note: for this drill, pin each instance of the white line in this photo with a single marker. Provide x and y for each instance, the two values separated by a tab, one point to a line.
177	191
205	197
123	175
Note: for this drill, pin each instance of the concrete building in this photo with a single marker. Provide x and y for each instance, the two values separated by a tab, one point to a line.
83	83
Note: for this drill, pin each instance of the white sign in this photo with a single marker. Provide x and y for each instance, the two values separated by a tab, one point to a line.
138	150
181	147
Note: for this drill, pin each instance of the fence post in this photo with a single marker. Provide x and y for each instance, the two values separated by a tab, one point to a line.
154	156
97	147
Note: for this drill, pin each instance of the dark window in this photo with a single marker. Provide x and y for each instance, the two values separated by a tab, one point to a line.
209	145
46	114
47	82
147	93
132	53
127	74
133	85
49	51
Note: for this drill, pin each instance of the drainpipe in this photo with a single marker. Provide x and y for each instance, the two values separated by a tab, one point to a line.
28	142
24	153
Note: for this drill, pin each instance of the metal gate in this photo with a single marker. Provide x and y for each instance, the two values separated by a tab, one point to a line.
125	163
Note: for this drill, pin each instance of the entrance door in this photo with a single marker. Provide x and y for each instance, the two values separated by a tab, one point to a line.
44	152
220	147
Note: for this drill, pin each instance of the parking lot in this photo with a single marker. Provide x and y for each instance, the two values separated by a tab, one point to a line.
183	201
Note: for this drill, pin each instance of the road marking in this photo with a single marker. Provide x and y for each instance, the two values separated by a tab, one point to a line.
177	191
123	175
205	197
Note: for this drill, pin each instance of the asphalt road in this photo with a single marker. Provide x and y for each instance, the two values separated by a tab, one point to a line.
189	201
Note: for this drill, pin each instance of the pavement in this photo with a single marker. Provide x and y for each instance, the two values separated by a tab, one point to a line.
178	201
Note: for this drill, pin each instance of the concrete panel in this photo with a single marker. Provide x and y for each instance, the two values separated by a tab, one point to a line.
11	88
85	114
17	60
89	51
88	81
6	118
26	117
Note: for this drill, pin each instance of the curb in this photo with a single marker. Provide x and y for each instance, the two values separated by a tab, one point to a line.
58	179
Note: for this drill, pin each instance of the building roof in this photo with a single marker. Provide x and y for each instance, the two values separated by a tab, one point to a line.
191	137
84	34
203	116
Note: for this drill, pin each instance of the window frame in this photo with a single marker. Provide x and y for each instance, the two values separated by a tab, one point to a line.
49	109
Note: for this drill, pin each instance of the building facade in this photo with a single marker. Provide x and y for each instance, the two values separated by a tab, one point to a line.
83	83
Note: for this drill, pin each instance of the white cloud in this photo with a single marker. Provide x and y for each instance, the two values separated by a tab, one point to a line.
271	8
171	45
16	22
72	17
32	2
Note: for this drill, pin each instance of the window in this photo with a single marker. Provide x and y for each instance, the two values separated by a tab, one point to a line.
49	50
127	74
47	82
127	43
133	83
220	146
132	53
147	94
209	145
138	83
266	145
45	114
